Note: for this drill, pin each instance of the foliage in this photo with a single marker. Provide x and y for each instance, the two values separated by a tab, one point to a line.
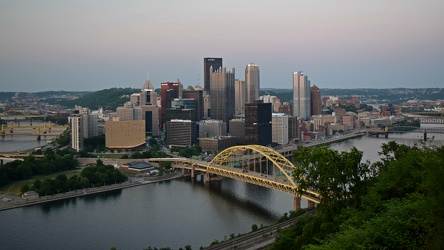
94	144
109	99
57	119
188	152
51	162
64	138
89	177
400	207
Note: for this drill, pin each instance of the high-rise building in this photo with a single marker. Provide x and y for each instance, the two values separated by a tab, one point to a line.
293	129
240	96
215	64
76	124
222	94
181	133
258	123
316	102
252	81
237	129
279	122
301	95
181	108
197	95
168	92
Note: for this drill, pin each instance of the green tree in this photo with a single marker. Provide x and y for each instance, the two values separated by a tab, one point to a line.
25	188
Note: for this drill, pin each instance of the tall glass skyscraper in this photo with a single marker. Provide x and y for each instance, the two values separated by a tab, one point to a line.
252	81
301	95
222	94
210	62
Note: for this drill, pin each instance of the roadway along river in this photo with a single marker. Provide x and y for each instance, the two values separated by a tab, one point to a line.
167	214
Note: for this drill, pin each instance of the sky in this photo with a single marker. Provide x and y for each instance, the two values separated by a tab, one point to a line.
88	45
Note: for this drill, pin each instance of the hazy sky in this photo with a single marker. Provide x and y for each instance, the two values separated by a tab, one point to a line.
93	45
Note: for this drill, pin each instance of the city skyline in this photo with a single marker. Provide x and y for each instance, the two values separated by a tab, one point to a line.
93	45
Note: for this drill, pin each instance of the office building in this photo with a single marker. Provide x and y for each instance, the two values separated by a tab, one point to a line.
258	123
168	92
293	129
124	135
252	81
181	133
237	129
301	96
129	112
211	128
316	101
197	96
150	109
217	143
279	122
222	94
76	124
210	65
240	96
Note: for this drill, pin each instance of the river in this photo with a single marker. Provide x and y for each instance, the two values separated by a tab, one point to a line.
167	214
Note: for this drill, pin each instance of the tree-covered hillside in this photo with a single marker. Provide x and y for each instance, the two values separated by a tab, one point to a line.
396	203
108	99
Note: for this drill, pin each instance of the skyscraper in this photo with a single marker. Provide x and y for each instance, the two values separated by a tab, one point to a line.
252	81
258	123
222	94
197	95
209	62
301	95
168	91
316	102
240	93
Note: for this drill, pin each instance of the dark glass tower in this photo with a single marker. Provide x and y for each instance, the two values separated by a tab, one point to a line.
209	62
258	123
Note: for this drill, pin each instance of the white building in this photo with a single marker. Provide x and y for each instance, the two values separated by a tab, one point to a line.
279	128
76	124
301	96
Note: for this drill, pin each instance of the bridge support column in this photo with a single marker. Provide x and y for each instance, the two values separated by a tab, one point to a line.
425	135
311	204
297	202
207	177
1	162
386	135
192	171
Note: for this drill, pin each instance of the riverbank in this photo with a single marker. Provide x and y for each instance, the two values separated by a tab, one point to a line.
11	202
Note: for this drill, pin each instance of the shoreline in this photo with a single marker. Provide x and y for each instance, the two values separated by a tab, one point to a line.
17	202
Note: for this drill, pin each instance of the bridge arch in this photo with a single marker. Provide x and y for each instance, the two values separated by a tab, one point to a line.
282	163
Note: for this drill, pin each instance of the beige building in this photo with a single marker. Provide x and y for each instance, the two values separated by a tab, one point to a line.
124	135
217	143
279	128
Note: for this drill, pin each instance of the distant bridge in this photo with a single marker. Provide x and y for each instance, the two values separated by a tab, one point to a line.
405	129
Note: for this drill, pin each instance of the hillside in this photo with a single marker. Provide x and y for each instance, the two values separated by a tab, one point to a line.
108	99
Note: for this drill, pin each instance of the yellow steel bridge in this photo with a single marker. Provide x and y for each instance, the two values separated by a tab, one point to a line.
254	164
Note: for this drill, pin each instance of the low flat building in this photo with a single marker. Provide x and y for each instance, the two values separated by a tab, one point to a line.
30	195
137	167
124	135
217	143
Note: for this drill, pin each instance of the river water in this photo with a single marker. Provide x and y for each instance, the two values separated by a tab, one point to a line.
166	214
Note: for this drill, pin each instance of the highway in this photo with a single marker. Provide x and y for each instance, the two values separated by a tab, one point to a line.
258	239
